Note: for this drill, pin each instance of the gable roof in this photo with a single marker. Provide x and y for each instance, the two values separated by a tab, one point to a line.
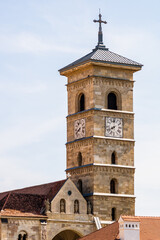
48	189
149	226
30	199
109	232
149	229
105	56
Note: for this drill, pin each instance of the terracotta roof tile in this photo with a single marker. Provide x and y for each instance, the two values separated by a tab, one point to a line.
48	189
30	199
16	213
109	232
24	202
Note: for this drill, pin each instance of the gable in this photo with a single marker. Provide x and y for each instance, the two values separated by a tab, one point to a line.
69	193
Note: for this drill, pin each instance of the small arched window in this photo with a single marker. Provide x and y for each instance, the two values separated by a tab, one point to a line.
62	206
113	214
80	187
79	159
113	158
22	235
76	206
113	186
112	101
81	102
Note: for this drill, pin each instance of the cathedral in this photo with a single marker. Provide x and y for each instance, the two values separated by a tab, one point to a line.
99	184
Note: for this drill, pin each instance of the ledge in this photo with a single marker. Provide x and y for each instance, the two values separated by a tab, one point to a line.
109	195
101	109
101	165
111	138
106	222
102	137
100	76
113	165
64	220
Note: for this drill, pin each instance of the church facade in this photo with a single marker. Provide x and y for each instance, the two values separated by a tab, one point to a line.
100	156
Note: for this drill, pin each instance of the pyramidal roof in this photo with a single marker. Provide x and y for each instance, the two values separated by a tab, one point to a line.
103	55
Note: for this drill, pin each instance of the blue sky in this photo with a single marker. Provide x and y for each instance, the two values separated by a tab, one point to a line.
39	37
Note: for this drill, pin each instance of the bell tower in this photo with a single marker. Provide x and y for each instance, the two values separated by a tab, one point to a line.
100	130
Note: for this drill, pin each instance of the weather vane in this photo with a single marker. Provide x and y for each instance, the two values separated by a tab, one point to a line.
100	34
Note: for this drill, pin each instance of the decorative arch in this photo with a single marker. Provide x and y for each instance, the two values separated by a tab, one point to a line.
113	186
62	206
67	233
22	235
79	159
113	99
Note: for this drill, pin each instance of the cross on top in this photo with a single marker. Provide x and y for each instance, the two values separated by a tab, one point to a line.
100	34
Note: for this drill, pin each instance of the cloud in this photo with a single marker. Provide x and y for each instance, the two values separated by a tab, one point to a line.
25	133
30	43
22	89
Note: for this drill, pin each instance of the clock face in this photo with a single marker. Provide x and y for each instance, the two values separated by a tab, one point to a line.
114	127
79	128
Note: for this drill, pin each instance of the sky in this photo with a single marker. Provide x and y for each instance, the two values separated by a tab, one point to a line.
39	37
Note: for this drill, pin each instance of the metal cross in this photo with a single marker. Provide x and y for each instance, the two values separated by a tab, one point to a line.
100	34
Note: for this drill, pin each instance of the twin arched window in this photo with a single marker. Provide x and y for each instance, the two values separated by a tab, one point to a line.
22	235
111	101
63	209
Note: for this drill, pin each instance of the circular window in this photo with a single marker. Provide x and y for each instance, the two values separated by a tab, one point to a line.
69	193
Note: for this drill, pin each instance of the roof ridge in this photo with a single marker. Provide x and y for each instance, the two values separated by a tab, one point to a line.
11	191
7	197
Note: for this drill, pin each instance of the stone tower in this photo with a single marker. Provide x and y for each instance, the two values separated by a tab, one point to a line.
100	130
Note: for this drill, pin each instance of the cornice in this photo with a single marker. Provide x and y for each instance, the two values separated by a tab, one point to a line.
102	111
107	78
92	168
121	140
109	195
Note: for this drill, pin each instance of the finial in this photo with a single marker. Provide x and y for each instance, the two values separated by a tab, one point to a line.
100	34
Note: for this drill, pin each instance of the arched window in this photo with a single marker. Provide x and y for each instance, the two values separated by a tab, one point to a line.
113	186
76	206
113	158
79	159
22	235
80	187
112	101
113	214
81	102
62	206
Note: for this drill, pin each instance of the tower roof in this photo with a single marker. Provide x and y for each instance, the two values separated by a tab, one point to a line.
102	55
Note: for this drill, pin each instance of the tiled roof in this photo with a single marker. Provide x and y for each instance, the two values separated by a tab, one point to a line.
103	55
30	203
109	232
149	229
149	226
48	189
31	199
16	213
